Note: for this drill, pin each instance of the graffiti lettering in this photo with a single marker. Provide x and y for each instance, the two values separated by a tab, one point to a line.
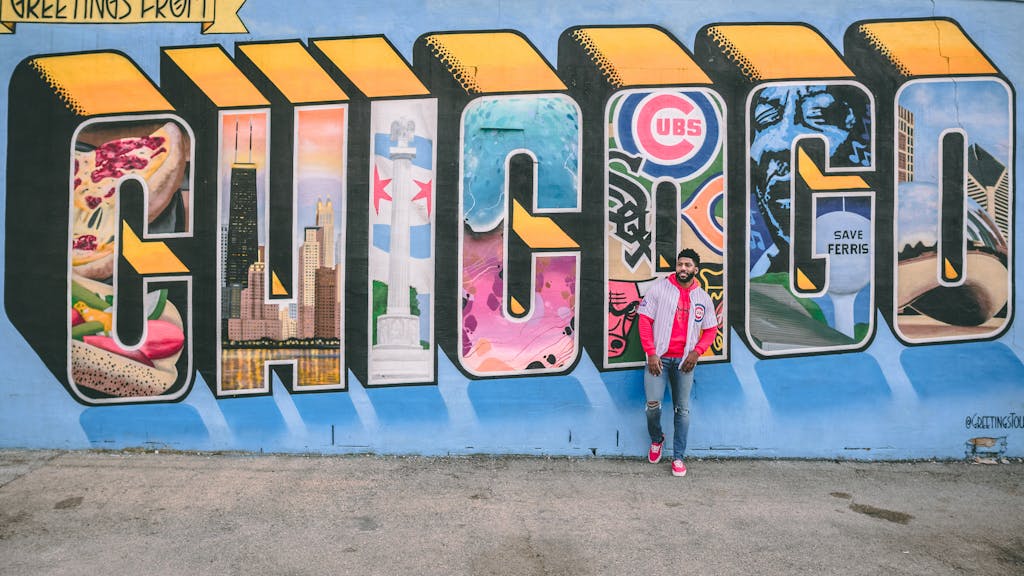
113	9
1012	420
796	128
952	278
227	196
149	10
629	212
681	172
848	249
158	9
947	165
43	9
499	229
129	300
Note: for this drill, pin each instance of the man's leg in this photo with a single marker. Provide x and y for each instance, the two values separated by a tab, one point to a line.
654	392
681	383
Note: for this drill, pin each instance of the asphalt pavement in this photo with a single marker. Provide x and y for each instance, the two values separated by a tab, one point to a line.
147	513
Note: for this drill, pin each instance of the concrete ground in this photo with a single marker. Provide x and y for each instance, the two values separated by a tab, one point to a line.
158	513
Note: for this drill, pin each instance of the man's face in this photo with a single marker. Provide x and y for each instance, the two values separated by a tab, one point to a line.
686	268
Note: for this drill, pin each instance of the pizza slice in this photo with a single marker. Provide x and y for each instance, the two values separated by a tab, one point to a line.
159	159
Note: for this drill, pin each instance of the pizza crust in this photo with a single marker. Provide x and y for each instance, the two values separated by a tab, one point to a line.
165	179
99	264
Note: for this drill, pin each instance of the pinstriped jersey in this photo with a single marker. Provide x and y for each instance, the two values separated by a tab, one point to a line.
659	304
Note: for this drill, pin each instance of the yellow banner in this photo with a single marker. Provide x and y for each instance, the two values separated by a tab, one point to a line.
216	16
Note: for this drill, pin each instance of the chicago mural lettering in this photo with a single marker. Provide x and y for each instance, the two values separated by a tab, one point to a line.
311	209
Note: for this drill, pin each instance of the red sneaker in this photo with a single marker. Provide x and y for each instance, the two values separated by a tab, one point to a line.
678	468
654	454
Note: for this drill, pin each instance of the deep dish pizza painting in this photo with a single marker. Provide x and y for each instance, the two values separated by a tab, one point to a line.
101	161
155	152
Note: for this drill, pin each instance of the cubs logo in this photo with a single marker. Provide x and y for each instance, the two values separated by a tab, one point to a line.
676	132
698	312
669	127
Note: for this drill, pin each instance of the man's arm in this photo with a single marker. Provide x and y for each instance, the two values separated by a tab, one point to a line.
646	329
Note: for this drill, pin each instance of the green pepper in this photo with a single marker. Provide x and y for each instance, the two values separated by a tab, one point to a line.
159	308
86	329
80	293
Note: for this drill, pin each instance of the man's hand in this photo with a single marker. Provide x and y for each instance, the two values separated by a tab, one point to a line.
654	364
691	361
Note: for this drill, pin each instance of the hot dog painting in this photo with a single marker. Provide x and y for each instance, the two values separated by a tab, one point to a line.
101	365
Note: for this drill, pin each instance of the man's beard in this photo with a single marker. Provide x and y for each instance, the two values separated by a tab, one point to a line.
683	277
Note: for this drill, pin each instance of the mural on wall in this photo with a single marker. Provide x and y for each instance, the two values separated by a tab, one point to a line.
110	214
261	331
810	230
281	222
794	304
323	216
393	131
661	143
402	241
501	333
655	168
517	151
808	218
949	287
951	176
110	357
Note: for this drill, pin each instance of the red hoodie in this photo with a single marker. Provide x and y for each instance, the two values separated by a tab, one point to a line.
677	343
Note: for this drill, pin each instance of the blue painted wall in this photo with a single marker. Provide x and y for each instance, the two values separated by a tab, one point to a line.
887	399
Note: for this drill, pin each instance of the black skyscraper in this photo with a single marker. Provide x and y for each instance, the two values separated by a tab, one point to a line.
243	239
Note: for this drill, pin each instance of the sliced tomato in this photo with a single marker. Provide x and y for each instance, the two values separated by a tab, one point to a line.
163	339
110	345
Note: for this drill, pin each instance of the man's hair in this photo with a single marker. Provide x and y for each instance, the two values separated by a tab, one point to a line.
691	254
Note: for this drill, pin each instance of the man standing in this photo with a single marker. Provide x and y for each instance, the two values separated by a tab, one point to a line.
677	324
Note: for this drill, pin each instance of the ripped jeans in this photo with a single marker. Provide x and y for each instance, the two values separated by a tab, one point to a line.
654	389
